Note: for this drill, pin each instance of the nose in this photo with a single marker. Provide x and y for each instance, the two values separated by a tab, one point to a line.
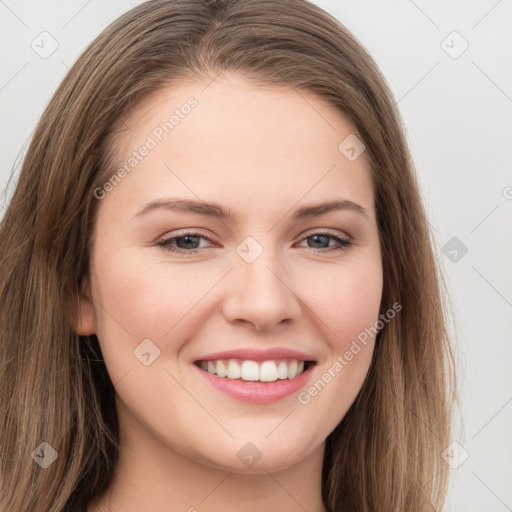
261	294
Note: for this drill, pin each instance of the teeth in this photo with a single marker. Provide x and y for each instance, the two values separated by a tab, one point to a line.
221	369
266	371
234	370
292	369
282	370
250	371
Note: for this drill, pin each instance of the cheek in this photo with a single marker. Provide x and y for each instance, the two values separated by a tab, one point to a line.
137	301
348	307
150	297
345	301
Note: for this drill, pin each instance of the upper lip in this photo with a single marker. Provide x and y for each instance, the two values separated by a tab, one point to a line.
255	354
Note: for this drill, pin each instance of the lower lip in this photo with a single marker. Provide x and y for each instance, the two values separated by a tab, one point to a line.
258	392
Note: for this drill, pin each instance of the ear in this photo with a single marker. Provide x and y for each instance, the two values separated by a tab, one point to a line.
85	324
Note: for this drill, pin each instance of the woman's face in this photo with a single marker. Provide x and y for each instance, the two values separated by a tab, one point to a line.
246	269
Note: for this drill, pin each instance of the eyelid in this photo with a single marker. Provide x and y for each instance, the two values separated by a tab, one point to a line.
184	232
162	242
326	231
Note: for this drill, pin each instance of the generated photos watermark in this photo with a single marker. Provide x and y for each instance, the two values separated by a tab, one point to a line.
304	397
152	140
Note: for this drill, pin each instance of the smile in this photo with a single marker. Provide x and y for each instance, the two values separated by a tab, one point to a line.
248	370
256	376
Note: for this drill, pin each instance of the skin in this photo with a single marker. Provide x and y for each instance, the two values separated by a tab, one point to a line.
261	152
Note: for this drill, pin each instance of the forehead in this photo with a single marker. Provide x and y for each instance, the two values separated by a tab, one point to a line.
240	140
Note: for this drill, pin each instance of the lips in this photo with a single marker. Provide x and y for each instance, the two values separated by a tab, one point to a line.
255	375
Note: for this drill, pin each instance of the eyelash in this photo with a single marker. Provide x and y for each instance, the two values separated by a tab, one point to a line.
344	243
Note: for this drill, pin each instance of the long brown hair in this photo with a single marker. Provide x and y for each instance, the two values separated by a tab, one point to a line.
386	452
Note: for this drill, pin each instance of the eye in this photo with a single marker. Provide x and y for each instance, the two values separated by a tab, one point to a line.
187	243
320	239
190	242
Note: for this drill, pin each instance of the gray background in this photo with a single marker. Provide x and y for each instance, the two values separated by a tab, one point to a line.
457	108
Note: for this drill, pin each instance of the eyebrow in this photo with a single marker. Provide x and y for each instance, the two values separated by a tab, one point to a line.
216	211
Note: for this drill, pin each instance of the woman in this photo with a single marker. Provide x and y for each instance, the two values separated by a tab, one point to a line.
295	356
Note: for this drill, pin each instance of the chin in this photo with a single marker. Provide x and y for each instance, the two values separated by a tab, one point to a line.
245	457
